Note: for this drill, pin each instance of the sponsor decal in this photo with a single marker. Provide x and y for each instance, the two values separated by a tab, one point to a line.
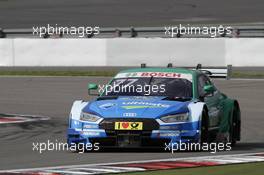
133	74
155	74
90	133
140	107
88	126
138	98
147	104
107	105
161	74
128	125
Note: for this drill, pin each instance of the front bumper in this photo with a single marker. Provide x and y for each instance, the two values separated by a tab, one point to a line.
153	135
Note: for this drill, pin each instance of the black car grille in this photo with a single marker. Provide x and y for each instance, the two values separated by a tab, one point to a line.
117	138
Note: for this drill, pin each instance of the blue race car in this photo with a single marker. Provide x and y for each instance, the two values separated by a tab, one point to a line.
150	107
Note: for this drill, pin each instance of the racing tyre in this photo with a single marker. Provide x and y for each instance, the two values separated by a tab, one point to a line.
204	129
231	135
234	129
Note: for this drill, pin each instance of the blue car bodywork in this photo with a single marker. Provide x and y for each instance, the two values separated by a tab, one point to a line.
135	109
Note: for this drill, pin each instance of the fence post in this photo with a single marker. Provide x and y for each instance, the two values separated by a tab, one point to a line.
2	33
143	65
229	72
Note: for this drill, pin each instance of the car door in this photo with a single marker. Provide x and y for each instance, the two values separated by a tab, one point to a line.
212	101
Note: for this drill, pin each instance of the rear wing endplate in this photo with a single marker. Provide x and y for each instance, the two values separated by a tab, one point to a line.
219	72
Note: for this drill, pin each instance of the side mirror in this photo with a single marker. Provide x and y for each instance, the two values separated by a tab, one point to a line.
209	89
92	86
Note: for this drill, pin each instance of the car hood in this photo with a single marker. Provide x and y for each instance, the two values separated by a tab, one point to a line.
136	107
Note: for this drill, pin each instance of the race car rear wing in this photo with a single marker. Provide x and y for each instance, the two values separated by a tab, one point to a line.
216	72
219	72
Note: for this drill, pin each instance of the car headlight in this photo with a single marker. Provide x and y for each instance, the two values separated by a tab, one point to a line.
175	118
89	117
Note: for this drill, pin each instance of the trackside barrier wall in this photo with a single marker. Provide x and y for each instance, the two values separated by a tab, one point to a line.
132	52
51	52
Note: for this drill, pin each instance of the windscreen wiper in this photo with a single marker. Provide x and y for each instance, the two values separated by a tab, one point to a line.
175	98
106	98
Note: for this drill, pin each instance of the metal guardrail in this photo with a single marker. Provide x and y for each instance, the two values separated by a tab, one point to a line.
139	32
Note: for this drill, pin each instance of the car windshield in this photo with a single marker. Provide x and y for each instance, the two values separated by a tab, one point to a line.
149	86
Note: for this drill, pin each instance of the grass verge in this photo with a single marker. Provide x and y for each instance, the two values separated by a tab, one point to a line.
248	74
235	169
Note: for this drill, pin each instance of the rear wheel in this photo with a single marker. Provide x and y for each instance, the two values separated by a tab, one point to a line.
231	135
204	129
235	127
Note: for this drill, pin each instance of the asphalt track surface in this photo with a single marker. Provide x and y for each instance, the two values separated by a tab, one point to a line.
126	13
53	97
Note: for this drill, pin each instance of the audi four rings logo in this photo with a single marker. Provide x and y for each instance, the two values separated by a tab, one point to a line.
129	114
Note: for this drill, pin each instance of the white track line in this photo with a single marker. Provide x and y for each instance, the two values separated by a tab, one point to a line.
67	172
